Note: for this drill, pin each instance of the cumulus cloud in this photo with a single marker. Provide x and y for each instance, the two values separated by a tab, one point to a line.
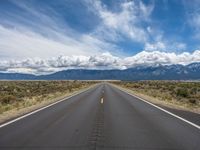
103	61
164	58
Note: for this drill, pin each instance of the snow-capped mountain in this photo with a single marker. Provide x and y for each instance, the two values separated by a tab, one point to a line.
157	72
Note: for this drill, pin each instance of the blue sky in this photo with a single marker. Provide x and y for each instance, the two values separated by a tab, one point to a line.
34	33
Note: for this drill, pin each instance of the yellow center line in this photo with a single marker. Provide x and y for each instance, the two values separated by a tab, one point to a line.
102	100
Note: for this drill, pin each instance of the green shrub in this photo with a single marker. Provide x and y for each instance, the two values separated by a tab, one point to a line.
182	92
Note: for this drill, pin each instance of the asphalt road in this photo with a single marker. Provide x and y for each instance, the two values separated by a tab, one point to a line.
86	121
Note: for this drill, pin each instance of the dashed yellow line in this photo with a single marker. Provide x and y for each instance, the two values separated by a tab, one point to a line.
102	100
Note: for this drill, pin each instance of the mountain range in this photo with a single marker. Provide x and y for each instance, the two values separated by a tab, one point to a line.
157	72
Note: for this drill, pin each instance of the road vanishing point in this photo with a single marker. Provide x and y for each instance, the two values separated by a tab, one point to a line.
100	118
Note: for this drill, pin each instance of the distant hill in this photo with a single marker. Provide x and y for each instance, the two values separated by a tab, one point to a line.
16	76
159	72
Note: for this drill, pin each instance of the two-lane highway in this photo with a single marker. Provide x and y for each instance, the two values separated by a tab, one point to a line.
103	117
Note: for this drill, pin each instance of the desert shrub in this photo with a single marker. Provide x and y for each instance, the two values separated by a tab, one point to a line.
193	101
182	92
17	91
7	99
193	91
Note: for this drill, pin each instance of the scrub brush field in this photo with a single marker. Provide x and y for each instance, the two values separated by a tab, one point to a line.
176	94
18	95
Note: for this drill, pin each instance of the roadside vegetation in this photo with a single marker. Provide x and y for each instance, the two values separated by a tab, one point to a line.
171	93
21	94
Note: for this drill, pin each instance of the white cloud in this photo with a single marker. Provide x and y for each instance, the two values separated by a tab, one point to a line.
160	43
23	43
105	60
47	44
163	45
45	35
128	21
165	58
155	46
43	66
102	61
131	20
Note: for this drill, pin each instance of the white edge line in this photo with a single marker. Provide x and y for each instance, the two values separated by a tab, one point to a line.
37	110
176	116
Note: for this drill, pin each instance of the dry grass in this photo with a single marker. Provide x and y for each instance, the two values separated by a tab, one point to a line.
180	95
